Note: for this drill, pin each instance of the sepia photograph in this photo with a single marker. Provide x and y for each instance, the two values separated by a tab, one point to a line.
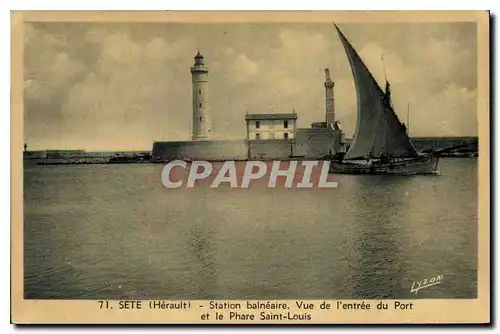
252	160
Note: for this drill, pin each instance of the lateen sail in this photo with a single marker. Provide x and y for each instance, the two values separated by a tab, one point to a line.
378	130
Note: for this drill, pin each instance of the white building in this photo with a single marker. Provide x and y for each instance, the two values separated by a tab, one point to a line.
202	120
271	126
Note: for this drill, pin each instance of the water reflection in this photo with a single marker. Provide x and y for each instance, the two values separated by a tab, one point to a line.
205	273
379	202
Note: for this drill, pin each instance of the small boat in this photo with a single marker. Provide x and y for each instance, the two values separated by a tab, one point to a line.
381	144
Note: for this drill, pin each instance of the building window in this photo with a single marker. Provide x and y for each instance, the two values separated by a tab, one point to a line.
201	118
199	91
257	125
200	104
285	124
286	135
257	136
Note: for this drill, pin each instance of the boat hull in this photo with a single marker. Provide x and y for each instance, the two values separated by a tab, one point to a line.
419	165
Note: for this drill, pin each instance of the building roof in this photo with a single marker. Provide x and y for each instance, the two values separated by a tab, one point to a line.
259	117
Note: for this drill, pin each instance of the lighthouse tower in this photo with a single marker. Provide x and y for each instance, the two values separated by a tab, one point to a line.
329	102
202	122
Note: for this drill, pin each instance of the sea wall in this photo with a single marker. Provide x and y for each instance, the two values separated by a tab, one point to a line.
223	150
270	149
200	150
34	154
314	143
308	143
436	143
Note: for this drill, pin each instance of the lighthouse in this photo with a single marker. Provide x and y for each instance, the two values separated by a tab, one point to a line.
202	122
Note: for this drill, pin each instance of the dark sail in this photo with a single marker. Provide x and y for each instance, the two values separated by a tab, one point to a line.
378	129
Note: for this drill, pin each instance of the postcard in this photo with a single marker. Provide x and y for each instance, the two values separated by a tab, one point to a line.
250	167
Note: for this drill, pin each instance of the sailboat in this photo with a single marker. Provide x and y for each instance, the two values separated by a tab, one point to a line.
381	144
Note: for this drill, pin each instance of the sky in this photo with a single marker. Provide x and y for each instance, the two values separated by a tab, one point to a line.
122	86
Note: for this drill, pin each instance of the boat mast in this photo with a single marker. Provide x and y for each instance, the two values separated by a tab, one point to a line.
408	120
387	93
383	65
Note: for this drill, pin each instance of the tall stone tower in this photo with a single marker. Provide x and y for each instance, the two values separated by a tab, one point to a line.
329	102
202	122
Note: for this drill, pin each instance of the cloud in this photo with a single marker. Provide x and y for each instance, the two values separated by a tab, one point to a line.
290	76
119	48
228	51
157	48
242	69
453	111
384	63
